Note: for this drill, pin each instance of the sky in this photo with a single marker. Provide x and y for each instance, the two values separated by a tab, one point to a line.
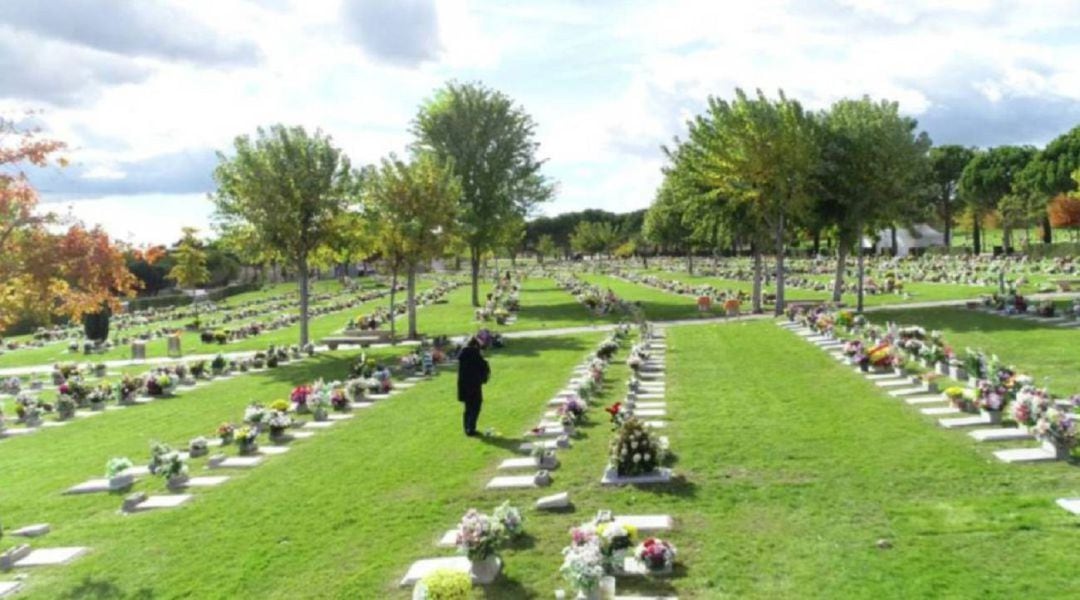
146	93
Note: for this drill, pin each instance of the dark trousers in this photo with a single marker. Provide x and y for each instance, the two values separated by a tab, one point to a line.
472	414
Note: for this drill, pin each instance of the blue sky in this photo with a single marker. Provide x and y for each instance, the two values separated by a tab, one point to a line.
146	92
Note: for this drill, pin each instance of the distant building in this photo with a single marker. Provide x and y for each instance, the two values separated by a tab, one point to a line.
913	240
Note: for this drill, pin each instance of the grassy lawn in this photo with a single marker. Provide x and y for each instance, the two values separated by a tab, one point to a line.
1048	353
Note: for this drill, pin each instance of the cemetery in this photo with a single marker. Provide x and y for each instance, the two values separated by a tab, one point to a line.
391	342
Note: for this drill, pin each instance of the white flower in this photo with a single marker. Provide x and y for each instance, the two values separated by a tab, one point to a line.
637	458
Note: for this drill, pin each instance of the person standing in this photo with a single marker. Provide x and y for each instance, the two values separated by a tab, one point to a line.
473	373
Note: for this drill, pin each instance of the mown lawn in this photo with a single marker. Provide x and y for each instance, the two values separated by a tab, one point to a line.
658	304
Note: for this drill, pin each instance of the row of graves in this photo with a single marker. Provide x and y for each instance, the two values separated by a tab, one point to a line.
263	431
704	294
377	318
245	319
600	302
503	302
1064	314
605	550
990	400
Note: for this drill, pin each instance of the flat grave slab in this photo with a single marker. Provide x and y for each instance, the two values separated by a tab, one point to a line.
51	556
422	568
92	486
1024	455
899	382
554	501
16	431
650	396
545	444
340	416
649	412
166	501
937	411
404	385
927	399
655	424
32	531
9	587
1070	504
610	477
377	397
912	391
1003	434
238	462
273	450
650	405
647	522
448	539
206	481
883	376
519	463
956	422
302	435
362	405
318	424
512	482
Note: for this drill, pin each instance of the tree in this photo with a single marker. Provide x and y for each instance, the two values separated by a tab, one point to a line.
873	159
594	238
545	247
1064	212
44	274
1049	173
490	143
988	179
189	269
946	165
287	188
415	207
665	222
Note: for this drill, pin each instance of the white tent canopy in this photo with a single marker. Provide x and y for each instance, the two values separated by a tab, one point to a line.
907	238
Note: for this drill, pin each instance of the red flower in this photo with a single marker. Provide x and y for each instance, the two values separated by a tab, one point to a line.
614	409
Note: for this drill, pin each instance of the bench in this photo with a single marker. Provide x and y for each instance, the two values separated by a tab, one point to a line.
1066	285
356	337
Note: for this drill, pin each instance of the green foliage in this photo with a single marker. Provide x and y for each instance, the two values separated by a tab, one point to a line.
189	269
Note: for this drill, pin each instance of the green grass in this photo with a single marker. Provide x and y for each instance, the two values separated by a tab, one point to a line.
1048	353
658	304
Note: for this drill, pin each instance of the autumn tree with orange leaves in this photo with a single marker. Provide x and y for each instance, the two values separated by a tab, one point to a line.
43	274
1064	213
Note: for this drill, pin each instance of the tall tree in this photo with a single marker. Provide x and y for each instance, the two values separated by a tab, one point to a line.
665	222
989	178
545	247
189	267
946	165
414	206
490	142
873	158
1049	174
289	188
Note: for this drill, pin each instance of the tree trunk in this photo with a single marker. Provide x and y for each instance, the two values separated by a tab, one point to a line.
756	299
689	262
779	304
817	242
1006	237
895	241
1047	231
841	266
861	271
411	291
474	266
303	267
457	263
946	211
393	294
976	238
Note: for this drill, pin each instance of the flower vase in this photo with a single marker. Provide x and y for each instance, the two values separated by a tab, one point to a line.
992	417
1061	451
485	570
589	594
176	482
320	414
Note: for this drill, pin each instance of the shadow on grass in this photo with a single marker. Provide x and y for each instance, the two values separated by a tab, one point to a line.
508	588
502	442
525	541
679	486
537	345
959	320
100	589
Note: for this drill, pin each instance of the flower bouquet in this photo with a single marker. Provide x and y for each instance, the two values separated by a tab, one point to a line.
634	362
959	400
991	399
65	407
339	400
226	433
633	450
159	384
583	566
320	406
618	414
1058	432
278	422
99	395
657	555
1029	405
246	439
299	397
173	469
198	447
128	389
254	415
511	520
479	537
115	473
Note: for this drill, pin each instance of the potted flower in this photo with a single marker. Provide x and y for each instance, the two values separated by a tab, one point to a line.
959	400
731	307
444	584
1029	405
246	439
217	366
226	432
656	555
174	470
99	396
100	369
299	397
160	384
339	400
633	450
320	407
615	540
127	390
254	415
991	400
278	422
258	361
65	407
198	447
115	472
511	520
479	537
634	362
583	568
1057	431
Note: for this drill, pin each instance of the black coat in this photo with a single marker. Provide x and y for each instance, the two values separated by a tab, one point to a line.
473	373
